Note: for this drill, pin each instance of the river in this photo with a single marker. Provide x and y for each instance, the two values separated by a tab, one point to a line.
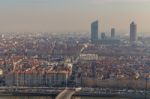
48	97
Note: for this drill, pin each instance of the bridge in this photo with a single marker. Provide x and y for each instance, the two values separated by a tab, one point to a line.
67	93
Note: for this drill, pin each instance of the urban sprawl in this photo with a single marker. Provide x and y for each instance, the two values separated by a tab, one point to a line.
74	59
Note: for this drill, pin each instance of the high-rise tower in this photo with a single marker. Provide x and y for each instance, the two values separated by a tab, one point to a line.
112	33
94	32
133	32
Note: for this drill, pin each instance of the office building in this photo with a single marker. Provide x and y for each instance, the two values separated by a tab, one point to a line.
94	32
112	33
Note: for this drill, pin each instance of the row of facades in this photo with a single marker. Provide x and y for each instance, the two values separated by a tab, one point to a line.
50	79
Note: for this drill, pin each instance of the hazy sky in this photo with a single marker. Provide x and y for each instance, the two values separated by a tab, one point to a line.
73	15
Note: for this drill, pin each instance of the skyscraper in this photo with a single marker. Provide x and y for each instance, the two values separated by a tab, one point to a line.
133	32
112	33
94	32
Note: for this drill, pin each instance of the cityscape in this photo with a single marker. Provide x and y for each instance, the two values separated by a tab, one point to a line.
52	61
74	49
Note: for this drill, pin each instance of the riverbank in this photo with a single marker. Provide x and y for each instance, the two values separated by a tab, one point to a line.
130	96
90	92
54	95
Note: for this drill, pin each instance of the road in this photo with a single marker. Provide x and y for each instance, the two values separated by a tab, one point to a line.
82	49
